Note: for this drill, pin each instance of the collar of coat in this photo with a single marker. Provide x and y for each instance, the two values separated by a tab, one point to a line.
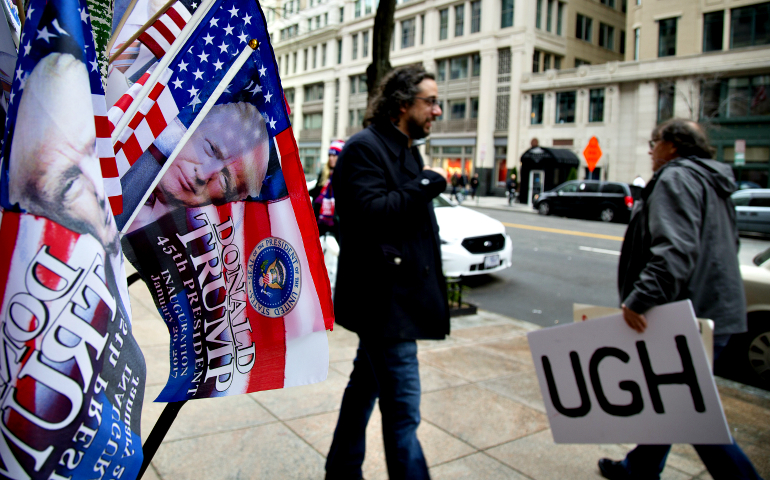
397	143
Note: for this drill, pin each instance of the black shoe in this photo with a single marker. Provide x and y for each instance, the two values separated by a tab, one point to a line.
613	470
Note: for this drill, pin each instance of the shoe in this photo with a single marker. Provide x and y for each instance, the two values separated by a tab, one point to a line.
613	470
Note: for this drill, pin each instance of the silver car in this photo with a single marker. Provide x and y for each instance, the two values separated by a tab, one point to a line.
752	208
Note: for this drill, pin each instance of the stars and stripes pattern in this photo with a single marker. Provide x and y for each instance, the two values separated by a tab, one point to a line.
194	73
161	34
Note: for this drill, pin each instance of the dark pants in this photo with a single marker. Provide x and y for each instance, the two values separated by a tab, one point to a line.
387	369
722	461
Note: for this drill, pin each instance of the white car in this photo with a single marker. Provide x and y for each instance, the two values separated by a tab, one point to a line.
471	243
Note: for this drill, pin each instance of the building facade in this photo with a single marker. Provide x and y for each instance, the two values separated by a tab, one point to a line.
479	50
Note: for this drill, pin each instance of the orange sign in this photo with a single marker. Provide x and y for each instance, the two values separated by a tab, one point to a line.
592	153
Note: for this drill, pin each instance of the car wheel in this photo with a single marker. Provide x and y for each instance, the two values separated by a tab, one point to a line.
759	355
607	214
746	358
544	208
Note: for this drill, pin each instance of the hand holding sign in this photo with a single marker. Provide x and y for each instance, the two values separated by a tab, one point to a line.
605	383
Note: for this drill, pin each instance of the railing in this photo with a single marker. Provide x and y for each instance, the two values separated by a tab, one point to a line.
462	125
310	134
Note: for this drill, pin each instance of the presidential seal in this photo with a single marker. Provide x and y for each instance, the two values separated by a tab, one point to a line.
274	277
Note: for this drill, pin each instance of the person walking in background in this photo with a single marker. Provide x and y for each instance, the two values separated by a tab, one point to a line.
390	287
455	186
682	243
474	185
510	188
323	194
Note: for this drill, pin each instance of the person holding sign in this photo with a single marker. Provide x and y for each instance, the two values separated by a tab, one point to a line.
682	243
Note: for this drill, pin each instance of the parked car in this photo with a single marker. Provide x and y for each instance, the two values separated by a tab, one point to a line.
609	201
752	209
747	357
744	184
471	243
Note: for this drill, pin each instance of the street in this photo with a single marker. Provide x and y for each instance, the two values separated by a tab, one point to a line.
557	262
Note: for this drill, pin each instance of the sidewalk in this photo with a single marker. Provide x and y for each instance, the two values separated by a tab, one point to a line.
483	416
494	203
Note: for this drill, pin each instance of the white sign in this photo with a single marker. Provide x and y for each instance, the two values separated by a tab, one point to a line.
604	383
740	152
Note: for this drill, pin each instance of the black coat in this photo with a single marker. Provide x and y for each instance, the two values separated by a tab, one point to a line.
389	280
682	243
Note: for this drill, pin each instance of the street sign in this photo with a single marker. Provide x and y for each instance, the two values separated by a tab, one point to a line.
592	153
740	152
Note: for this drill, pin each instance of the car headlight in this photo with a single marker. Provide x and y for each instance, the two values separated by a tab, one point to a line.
536	196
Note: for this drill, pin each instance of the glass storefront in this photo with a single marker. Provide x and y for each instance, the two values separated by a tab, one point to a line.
454	159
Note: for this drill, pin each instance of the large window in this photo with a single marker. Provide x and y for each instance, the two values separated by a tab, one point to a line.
311	161
476	65
355	46
313	121
407	33
506	17
536	61
339	51
735	97
559	17
358	84
443	29
667	37
458	68
666	95
365	44
538	13
422	29
475	107
622	42
323	55
596	105
536	116
565	107
606	36
750	26
459	20
549	15
441	71
583	27
609	3
476	16
314	92
713	30
457	109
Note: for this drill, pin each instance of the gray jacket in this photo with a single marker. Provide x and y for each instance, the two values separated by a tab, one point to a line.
682	242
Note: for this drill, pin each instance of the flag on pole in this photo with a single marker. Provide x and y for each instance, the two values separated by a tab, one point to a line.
223	231
72	376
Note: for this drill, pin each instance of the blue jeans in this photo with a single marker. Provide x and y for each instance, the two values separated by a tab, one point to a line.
388	369
722	461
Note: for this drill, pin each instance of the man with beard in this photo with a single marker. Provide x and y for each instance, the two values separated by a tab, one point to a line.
390	287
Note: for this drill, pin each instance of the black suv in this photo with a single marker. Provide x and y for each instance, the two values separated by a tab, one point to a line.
609	201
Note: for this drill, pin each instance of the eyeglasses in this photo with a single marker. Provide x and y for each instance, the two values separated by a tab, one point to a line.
652	143
432	101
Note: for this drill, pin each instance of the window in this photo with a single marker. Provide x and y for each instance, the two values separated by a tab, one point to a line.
459	20
538	13
503	61
565	107
609	3
339	51
314	92
458	68
457	109
750	26
546	61
355	46
476	61
313	121
579	62
304	60
735	97
443	29
311	161
666	94
367	7
358	84
326	19
506	17
713	28
596	105
637	42
309	24
536	116
475	16
323	55
667	37
422	29
475	107
342	14
336	88
441	71
557	62
318	21
502	109
365	44
549	16
315	56
407	33
294	62
559	17
606	36
583	27
358	8
289	92
622	42
536	61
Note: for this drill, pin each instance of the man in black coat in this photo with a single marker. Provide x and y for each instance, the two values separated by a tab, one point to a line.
682	243
390	288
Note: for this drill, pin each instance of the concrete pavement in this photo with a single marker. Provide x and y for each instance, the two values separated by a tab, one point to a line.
483	416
